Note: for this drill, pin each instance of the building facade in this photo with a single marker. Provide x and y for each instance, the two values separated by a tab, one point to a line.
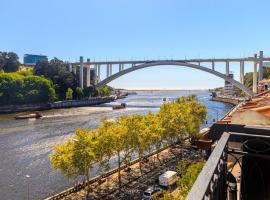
30	59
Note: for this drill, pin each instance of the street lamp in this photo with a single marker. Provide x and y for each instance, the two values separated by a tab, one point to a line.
27	177
85	167
217	114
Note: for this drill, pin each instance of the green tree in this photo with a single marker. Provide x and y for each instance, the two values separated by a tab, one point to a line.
79	93
69	94
38	90
57	71
9	61
104	90
76	156
88	91
155	131
186	182
11	89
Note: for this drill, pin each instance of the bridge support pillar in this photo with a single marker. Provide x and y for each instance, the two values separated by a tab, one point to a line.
98	72
88	71
123	67
120	67
260	66
70	67
213	66
255	78
242	72
227	68
95	74
74	69
81	72
108	70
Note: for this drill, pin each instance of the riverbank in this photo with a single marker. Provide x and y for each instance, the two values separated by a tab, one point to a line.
56	105
231	100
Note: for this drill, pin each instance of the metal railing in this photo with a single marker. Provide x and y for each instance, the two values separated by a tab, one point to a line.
215	180
211	182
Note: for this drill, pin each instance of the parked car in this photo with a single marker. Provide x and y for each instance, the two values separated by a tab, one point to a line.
168	178
151	191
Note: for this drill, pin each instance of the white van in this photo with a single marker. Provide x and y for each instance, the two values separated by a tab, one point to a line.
168	178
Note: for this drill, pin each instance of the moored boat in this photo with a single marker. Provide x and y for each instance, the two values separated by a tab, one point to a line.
121	106
35	115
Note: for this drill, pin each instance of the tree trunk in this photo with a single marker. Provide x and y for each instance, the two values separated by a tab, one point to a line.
86	185
140	165
119	171
158	157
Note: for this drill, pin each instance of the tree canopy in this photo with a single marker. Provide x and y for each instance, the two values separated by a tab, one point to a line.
133	134
18	89
57	71
9	61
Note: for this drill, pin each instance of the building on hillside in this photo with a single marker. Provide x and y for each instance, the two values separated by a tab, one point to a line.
31	59
263	85
230	89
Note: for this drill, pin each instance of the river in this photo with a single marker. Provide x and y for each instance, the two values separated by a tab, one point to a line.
25	145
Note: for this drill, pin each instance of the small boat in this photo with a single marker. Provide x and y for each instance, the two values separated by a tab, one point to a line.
29	116
164	99
121	106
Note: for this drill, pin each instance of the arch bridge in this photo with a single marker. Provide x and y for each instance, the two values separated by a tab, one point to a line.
126	67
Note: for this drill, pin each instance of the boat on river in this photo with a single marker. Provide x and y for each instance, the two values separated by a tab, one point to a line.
121	106
35	115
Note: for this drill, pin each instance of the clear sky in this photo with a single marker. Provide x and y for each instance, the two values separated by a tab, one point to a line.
139	29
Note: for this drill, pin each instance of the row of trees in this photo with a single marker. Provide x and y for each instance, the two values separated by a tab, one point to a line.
139	134
248	79
19	89
57	71
87	92
9	62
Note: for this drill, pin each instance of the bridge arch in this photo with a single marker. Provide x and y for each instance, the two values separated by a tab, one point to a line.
183	64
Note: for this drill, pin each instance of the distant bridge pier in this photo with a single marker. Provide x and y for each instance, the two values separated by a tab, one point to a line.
260	66
123	67
98	72
120	67
242	72
81	72
227	68
108	70
255	78
213	66
88	73
70	67
95	74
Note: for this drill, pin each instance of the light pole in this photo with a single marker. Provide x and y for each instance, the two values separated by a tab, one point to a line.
85	167
27	177
217	114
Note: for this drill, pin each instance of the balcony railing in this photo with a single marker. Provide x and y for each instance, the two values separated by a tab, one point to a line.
214	181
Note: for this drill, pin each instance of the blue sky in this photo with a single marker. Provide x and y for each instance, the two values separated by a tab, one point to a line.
141	29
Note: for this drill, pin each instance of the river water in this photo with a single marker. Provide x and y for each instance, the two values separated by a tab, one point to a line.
25	145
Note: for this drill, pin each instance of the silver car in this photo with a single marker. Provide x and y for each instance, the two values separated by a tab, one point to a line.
151	191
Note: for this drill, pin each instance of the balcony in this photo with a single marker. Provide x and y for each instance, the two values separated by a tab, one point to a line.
238	167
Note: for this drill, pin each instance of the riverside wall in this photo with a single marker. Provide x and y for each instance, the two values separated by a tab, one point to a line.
55	105
230	100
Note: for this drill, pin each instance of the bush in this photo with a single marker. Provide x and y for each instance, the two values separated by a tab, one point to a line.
17	89
187	180
69	94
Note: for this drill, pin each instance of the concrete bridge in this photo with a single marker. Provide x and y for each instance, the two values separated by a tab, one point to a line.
125	67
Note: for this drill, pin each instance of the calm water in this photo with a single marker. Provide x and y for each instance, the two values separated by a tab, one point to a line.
26	144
